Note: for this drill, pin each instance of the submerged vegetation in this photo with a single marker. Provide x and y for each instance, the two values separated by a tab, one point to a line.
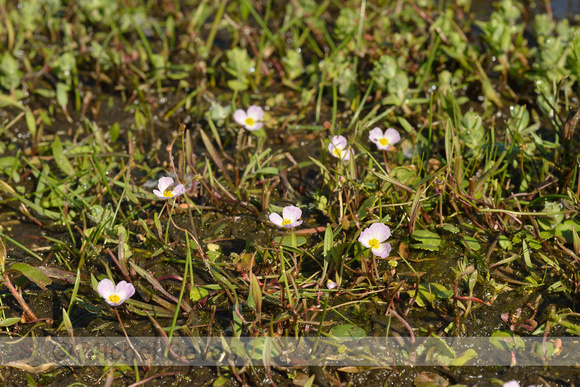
289	169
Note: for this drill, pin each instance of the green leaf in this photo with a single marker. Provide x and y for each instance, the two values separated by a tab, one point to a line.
505	243
66	321
256	291
114	131
507	341
565	230
424	246
9	321
30	122
32	274
267	171
471	242
428	240
465	357
9	190
451	228
236	85
439	351
197	293
438	290
238	324
429	292
6	100
348	331
59	157
62	94
300	240
363	209
3	256
405	175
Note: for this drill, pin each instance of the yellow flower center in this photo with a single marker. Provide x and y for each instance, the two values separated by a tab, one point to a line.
384	142
168	193
114	298
250	121
374	243
286	222
337	152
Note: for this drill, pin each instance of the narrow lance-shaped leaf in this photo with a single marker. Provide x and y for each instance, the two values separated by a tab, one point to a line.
31	123
32	274
256	292
60	158
2	255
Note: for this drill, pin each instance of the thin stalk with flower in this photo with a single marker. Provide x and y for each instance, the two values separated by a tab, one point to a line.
290	218
384	140
115	296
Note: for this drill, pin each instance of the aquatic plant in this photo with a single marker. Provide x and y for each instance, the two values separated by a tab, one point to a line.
250	119
289	219
115	295
167	190
384	140
338	147
374	237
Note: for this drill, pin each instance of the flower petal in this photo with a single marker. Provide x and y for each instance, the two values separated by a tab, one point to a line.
164	183
240	117
347	154
124	290
331	148
380	231
256	112
276	219
294	224
376	134
393	136
331	284
256	126
339	142
178	190
159	194
106	288
291	212
365	237
383	250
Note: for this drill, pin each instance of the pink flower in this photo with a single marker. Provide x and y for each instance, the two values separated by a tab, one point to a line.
386	139
115	295
374	238
289	218
338	147
331	284
250	119
166	189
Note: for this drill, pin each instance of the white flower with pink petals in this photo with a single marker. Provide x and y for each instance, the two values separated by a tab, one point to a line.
115	295
250	119
331	284
338	147
386	139
167	189
289	219
374	237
